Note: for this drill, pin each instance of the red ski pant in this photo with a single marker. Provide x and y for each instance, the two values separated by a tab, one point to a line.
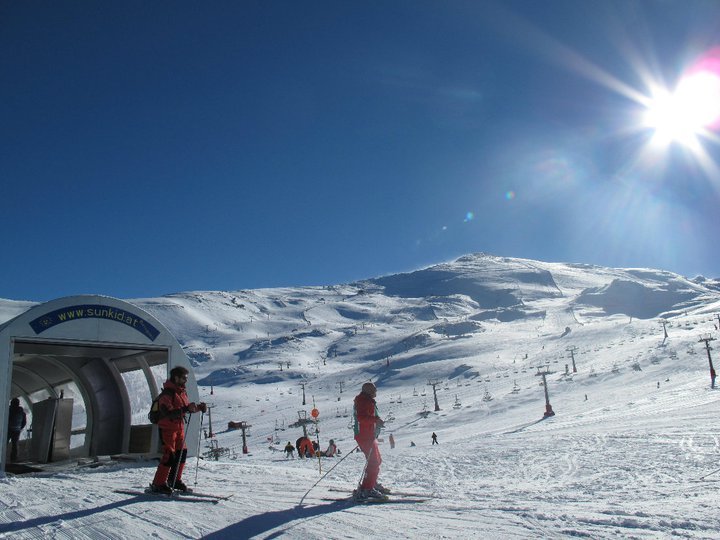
374	460
172	462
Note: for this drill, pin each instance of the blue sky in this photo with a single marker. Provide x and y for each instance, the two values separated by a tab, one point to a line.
154	147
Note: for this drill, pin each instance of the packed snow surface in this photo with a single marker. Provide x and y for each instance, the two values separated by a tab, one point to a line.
630	453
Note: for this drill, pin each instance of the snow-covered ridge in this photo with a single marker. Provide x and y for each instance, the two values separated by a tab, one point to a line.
412	318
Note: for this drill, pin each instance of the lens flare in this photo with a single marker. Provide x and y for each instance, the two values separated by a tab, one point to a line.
509	195
691	109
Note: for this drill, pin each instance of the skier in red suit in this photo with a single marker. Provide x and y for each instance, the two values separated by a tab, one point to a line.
173	404
305	448
367	427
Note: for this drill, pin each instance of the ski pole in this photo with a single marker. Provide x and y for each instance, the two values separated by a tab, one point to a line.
708	474
176	465
324	475
197	462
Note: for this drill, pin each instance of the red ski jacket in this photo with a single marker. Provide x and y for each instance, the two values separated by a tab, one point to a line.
173	406
366	417
306	447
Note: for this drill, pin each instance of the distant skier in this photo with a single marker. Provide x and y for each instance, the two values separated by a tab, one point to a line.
367	426
305	448
174	403
331	449
17	420
392	441
289	450
434	438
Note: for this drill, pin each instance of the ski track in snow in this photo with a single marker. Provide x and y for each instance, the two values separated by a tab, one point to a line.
546	484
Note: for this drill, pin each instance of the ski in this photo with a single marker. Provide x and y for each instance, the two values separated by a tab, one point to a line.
412	494
392	493
193	493
352	500
165	496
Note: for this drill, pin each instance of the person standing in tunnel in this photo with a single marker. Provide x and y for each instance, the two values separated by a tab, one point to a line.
173	405
17	420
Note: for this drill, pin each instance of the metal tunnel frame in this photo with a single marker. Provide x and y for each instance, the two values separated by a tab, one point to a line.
91	341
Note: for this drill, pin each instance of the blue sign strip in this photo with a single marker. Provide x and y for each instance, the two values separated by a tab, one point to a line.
94	311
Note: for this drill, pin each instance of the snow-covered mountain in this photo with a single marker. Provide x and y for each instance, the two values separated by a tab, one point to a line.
634	409
430	316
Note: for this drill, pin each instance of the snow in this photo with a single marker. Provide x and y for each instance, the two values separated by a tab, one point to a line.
622	458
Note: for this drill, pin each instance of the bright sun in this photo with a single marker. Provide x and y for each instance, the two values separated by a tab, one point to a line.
682	115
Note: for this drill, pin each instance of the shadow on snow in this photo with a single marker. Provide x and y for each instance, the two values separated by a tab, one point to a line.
262	523
77	514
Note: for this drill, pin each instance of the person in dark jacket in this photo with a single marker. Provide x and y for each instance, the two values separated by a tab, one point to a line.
289	450
434	438
174	404
17	420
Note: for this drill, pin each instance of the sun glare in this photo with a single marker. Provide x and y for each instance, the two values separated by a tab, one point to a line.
684	114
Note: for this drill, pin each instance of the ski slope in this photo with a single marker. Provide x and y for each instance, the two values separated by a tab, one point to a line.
623	457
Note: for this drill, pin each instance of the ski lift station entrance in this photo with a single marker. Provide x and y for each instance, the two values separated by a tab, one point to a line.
85	369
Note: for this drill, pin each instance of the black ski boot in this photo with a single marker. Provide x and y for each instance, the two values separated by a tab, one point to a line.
163	489
180	486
